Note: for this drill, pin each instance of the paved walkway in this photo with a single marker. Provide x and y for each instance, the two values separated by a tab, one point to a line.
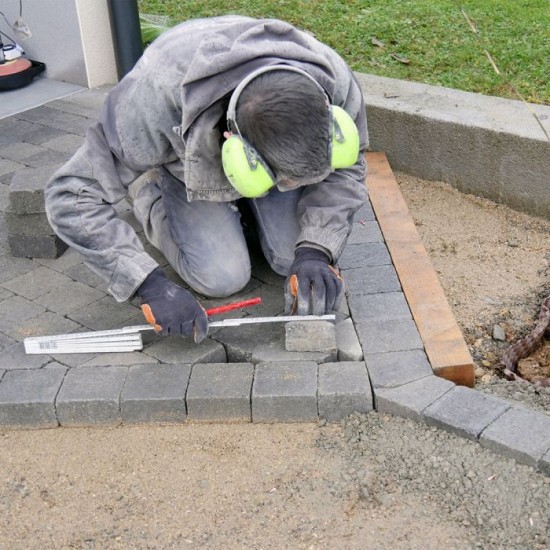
382	357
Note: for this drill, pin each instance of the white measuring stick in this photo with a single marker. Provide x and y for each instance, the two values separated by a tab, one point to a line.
129	338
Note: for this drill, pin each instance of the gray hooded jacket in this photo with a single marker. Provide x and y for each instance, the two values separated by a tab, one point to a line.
165	112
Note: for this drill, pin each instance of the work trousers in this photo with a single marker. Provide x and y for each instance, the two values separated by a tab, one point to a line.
204	241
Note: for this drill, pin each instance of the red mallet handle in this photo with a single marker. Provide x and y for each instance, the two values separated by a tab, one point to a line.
234	305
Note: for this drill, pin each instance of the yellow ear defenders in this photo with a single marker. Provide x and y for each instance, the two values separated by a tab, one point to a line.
245	168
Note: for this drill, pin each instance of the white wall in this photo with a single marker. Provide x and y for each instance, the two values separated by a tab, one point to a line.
72	37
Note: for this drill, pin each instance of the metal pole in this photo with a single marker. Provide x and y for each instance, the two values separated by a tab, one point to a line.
126	33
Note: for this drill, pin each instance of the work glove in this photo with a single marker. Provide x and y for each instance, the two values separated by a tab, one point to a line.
171	309
313	286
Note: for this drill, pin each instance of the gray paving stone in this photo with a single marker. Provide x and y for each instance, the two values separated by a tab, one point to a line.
347	343
38	133
365	232
36	246
14	357
20	151
91	395
16	310
2	372
388	370
310	336
520	434
68	106
5	341
365	213
263	343
70	297
27	397
544	464
104	314
67	260
13	267
464	411
67	143
220	391
155	393
28	224
409	400
92	99
371	280
48	158
43	324
379	307
9	166
174	349
4	293
27	189
37	282
386	336
285	392
364	255
81	273
344	388
54	118
120	359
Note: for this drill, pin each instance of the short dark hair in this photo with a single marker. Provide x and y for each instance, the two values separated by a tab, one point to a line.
285	116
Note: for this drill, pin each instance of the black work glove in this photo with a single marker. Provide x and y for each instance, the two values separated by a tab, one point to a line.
313	286
170	308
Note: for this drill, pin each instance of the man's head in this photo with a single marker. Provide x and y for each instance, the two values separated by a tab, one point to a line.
286	117
284	132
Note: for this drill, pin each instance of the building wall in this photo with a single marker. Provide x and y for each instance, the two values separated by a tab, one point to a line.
72	37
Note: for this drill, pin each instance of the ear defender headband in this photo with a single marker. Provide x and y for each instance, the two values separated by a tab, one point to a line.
245	168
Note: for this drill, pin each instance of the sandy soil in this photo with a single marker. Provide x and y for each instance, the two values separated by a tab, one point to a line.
371	482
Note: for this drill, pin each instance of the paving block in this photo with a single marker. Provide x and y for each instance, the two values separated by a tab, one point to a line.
155	393
69	297
370	280
344	388
261	343
365	232
105	314
20	151
387	336
379	307
365	213
285	392
347	343
38	134
37	282
91	395
220	391
27	189
48	158
409	400
15	310
464	411
388	370
43	324
364	255
120	359
9	166
13	357
2	372
68	259
28	224
67	143
54	118
544	464
175	349
13	267
36	246
81	273
310	336
27	397
521	434
5	341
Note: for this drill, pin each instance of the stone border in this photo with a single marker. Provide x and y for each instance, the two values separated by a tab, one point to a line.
487	146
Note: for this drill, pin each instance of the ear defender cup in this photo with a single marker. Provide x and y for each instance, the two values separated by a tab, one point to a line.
345	139
245	169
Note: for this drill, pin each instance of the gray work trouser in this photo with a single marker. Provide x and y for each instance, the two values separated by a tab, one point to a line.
204	241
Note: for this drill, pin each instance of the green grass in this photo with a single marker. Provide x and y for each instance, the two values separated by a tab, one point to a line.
432	34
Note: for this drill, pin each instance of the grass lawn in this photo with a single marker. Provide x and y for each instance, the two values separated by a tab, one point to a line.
432	35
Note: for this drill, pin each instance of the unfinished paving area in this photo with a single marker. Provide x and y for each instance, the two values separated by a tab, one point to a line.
386	348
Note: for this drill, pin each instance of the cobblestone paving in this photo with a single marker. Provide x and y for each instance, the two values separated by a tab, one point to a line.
238	373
